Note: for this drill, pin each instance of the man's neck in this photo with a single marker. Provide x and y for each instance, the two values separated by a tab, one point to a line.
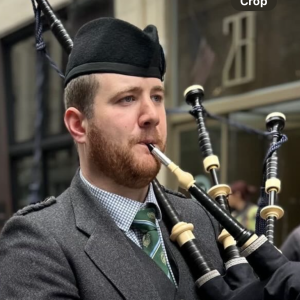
107	184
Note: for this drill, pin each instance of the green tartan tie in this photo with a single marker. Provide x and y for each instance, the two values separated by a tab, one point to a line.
145	222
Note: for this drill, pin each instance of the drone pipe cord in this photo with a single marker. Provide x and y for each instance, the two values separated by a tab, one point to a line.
241	273
56	26
275	123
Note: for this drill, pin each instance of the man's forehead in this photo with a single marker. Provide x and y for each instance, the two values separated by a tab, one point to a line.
112	81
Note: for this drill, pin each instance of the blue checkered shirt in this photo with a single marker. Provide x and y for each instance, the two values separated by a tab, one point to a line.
123	211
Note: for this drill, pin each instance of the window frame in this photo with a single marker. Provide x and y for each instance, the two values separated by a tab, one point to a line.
13	151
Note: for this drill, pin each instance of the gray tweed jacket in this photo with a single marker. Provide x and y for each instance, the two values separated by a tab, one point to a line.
70	248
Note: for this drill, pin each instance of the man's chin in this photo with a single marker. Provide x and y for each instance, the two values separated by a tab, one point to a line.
140	180
146	170
147	163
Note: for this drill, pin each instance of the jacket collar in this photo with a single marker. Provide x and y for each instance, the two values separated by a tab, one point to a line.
107	245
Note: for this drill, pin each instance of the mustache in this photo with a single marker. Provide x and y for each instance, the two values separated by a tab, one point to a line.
153	137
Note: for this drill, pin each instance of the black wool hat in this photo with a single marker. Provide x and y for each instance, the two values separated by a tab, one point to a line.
109	45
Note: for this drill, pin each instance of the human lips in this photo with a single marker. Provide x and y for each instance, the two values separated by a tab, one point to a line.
150	141
147	142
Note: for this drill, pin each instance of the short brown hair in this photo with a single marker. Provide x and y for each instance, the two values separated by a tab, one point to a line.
80	93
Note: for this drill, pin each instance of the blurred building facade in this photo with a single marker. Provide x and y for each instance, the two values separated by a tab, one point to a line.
248	63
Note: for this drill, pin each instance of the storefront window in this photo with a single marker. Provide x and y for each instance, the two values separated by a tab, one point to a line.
23	64
27	174
248	63
231	52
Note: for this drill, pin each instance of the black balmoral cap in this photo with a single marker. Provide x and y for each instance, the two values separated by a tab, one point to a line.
109	45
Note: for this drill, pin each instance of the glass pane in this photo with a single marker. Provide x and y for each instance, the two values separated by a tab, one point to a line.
23	83
225	50
3	216
23	177
23	64
61	167
54	123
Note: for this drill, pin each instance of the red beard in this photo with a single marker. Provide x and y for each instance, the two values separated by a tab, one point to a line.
119	163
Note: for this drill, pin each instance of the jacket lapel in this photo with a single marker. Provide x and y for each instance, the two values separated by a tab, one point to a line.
108	246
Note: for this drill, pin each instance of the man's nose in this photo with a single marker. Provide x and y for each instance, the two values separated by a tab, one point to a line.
149	113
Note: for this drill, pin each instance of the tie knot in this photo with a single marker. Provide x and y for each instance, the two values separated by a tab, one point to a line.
145	220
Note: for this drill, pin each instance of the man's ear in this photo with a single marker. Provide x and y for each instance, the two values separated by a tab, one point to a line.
76	123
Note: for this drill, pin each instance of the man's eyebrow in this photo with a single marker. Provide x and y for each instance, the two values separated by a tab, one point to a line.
136	89
158	88
133	89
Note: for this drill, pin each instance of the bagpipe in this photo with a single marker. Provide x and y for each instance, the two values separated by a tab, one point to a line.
255	269
277	277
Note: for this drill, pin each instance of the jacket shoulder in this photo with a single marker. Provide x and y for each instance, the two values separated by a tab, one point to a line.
36	206
174	193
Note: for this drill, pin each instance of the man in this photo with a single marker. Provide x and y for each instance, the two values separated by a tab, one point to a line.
86	244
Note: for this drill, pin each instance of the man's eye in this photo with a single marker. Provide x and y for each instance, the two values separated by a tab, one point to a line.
127	99
157	98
